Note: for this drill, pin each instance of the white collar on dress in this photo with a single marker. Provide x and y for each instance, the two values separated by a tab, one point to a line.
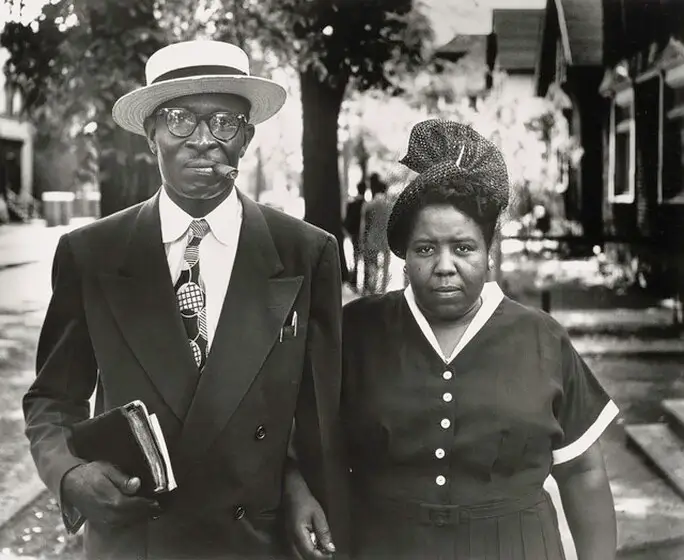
222	220
491	298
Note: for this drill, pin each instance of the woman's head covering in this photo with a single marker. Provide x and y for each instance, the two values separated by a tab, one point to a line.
463	167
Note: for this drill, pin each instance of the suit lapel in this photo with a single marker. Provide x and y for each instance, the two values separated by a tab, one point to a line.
254	310
143	302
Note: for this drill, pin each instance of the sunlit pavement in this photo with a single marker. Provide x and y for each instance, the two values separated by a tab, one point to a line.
26	253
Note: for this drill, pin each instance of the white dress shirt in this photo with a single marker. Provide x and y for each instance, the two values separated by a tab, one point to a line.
216	250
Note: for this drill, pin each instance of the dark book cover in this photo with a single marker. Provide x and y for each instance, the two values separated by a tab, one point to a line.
131	439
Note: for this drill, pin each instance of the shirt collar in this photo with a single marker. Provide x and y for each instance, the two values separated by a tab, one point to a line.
491	298
222	220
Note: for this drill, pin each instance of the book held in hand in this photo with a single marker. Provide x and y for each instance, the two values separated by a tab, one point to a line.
131	439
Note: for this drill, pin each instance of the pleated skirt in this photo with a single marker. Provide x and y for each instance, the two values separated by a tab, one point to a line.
528	534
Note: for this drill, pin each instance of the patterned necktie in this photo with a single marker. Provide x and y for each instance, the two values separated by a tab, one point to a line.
190	294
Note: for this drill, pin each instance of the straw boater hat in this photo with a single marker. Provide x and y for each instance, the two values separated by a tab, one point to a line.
193	67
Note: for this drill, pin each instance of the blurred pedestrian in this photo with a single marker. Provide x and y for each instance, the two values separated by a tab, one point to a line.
221	315
374	247
352	225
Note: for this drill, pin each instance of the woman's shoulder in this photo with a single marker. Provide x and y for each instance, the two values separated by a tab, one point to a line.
528	316
373	307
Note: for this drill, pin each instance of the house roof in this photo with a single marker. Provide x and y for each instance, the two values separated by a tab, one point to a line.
460	46
518	33
581	27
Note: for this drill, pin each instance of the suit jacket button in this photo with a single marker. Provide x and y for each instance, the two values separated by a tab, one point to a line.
239	512
260	433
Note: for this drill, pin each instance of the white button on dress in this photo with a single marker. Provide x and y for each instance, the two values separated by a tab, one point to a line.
440	453
440	480
445	423
447	375
447	397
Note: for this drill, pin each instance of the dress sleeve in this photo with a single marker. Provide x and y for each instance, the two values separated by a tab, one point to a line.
584	410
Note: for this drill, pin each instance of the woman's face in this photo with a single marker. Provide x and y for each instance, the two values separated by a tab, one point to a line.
446	262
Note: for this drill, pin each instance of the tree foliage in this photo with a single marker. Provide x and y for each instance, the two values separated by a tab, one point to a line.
70	66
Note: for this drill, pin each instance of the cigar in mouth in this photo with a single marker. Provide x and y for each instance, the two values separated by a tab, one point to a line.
227	171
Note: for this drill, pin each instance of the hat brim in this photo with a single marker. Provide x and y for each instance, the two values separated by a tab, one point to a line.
266	97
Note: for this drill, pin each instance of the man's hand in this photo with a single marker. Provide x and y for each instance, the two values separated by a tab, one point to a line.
310	534
104	495
307	526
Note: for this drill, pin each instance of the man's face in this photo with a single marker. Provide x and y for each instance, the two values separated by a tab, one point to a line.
187	164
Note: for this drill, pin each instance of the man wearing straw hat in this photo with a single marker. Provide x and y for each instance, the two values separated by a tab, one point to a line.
222	316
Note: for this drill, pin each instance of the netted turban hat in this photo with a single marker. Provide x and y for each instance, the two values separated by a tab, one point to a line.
458	165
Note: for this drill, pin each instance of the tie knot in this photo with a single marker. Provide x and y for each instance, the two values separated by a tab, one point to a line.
199	228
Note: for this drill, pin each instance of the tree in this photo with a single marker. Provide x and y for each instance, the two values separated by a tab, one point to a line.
86	53
116	36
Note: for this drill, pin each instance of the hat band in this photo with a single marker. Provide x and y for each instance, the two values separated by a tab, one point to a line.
198	71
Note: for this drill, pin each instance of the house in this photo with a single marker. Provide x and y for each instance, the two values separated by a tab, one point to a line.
643	84
16	150
510	47
570	57
621	62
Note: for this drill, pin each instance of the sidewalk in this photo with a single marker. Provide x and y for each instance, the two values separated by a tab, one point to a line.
30	242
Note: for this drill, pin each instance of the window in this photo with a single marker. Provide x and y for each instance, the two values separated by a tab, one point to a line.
622	149
671	183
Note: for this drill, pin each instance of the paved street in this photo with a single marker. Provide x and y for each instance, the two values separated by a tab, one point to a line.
648	510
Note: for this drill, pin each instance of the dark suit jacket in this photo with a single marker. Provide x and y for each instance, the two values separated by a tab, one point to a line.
113	326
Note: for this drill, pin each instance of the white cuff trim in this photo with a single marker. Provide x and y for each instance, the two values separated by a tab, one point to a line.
588	438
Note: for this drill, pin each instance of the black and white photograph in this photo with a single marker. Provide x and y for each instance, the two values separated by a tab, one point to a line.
341	279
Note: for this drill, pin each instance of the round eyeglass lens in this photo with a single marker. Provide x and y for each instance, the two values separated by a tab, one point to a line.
180	122
224	125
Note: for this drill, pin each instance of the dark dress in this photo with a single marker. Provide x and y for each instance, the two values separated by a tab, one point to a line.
448	460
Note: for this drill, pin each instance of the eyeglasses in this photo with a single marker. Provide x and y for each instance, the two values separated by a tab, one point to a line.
223	125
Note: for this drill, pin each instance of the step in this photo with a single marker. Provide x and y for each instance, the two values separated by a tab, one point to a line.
674	415
663	449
